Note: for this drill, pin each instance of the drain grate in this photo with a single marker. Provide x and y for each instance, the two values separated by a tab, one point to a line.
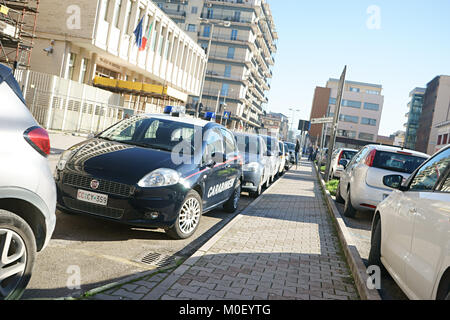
159	260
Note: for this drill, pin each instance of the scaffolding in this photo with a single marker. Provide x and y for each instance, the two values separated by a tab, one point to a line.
18	20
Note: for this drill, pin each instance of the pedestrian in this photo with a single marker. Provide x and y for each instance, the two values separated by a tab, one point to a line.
297	153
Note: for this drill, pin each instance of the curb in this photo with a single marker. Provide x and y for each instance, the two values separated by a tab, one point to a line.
164	285
352	255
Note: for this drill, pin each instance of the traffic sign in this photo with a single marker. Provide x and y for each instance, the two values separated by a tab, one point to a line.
322	120
227	115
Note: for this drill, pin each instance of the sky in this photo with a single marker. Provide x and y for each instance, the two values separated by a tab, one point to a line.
400	44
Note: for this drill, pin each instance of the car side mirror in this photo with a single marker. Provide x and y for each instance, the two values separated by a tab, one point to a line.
343	163
393	181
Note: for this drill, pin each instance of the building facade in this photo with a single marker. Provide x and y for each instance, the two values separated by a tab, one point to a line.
92	42
276	124
243	45
435	119
414	112
360	114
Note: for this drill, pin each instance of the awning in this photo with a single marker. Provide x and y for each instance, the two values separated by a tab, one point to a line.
139	88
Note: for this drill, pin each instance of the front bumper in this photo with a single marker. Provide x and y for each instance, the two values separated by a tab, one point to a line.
251	181
137	209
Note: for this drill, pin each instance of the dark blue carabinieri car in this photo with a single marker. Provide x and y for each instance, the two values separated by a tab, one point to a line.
152	171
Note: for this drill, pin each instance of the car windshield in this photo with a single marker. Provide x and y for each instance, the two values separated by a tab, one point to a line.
248	144
348	155
153	133
398	162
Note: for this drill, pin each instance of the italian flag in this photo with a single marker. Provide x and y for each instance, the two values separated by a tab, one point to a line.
146	38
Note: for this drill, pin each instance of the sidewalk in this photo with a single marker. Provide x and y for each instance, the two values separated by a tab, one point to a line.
284	246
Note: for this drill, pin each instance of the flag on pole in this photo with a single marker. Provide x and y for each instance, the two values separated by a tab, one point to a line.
138	33
146	38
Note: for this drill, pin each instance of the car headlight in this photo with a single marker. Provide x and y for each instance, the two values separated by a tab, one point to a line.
160	178
65	156
253	166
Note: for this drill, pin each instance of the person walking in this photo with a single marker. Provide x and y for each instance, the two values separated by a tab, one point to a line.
297	153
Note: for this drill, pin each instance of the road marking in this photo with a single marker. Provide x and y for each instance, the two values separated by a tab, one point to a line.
115	259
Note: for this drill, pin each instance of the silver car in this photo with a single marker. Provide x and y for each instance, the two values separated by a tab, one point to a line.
27	189
257	168
363	183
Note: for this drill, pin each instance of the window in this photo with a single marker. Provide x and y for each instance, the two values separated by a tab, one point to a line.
371	106
214	145
237	16
347	134
373	92
397	161
227	72
209	13
192	28
351	104
206	31
347	118
230	53
106	6
71	66
229	143
225	88
83	71
439	140
445	139
366	136
368	121
234	34
128	17
117	8
333	101
194	10
427	177
352	89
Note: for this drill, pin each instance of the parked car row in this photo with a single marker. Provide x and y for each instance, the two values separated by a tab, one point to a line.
409	193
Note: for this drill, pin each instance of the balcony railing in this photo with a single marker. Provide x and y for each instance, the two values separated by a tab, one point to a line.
226	17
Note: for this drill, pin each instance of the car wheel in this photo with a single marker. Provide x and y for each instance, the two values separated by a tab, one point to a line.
339	198
17	255
232	204
375	246
188	217
349	210
258	192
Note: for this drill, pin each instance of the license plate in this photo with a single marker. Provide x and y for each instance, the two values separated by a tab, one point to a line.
92	197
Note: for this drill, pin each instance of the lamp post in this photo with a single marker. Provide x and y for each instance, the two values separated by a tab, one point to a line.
211	32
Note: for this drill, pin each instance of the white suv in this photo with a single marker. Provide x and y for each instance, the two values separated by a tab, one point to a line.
362	186
411	230
27	189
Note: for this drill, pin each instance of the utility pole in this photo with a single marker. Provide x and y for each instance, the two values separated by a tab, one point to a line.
335	122
211	31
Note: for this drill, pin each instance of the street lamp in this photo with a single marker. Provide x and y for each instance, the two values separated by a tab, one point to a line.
211	31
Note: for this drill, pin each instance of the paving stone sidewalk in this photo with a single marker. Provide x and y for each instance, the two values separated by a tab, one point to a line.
283	247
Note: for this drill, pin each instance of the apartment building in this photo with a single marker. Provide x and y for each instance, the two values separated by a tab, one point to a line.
434	124
92	42
243	45
360	114
413	116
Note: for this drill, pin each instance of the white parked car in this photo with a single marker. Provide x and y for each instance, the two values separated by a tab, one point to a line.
411	231
273	150
361	186
282	156
336	158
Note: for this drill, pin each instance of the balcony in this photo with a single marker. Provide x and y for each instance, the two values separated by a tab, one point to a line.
222	76
226	17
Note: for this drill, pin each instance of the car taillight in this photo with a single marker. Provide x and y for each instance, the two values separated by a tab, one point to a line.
38	138
371	157
340	156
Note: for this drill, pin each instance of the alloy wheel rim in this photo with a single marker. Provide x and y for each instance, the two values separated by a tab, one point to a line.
189	216
13	259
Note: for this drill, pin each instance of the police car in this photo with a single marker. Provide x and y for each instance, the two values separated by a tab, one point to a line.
153	171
